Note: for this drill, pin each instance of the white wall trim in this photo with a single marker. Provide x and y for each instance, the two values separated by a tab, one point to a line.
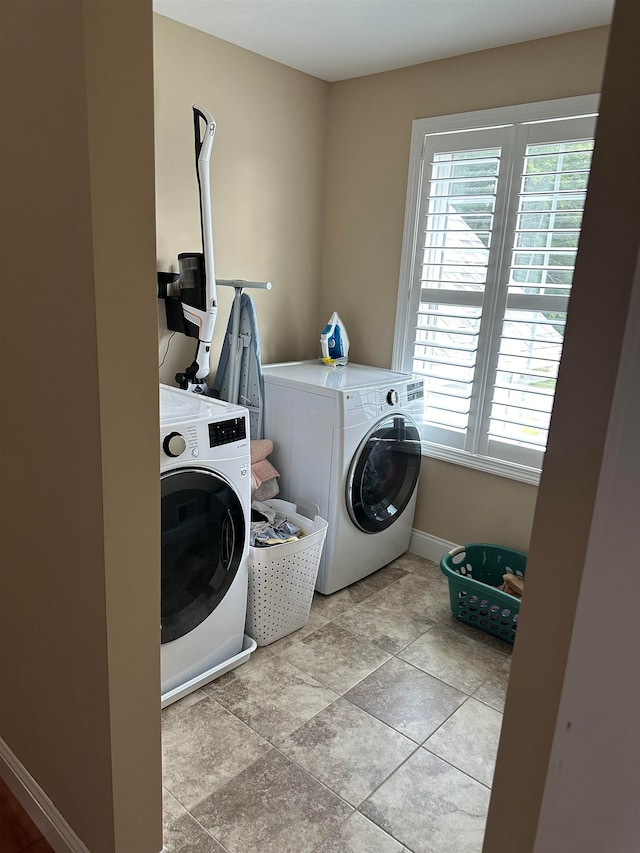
498	467
428	546
37	804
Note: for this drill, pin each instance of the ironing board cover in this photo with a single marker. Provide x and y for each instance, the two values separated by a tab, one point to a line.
246	349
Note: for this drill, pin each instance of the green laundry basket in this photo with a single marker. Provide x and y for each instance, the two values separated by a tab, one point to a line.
474	572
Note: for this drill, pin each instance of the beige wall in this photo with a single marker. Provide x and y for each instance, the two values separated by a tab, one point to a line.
583	555
267	178
457	498
120	112
79	595
369	127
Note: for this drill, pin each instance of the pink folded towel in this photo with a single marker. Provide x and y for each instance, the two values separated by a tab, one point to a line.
260	448
261	471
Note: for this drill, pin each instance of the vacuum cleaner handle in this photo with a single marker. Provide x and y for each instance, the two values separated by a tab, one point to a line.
194	378
203	146
200	115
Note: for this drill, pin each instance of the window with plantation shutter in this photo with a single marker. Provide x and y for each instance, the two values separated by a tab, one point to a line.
493	218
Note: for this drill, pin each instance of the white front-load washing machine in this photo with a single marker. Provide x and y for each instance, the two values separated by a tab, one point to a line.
346	438
205	515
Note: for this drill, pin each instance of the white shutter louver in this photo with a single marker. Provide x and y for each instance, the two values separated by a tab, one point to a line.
553	187
456	254
496	222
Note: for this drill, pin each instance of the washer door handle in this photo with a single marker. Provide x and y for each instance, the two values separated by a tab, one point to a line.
228	541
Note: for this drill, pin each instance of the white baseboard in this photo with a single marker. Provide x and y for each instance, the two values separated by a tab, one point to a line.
38	806
428	546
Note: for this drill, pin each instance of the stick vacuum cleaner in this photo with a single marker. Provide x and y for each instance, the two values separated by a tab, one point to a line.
190	295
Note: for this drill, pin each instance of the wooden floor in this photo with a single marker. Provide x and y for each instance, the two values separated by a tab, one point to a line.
18	834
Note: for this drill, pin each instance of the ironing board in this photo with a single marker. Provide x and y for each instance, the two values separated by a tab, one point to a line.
239	374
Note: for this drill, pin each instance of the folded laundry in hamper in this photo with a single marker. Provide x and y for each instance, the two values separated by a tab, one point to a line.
513	584
261	471
264	477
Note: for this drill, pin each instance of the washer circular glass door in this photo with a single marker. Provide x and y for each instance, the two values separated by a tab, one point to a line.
384	473
203	531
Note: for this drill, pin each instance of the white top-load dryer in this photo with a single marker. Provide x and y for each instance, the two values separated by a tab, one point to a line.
205	487
347	439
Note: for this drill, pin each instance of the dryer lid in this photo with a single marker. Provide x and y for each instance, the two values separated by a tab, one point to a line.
178	406
315	376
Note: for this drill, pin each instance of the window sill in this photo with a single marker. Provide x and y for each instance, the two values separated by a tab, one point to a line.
482	463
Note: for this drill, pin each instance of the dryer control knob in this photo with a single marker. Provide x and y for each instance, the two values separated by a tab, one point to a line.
392	397
174	444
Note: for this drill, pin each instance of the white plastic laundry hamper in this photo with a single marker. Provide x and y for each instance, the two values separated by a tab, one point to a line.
282	578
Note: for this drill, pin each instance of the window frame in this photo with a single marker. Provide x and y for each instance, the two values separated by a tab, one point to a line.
583	105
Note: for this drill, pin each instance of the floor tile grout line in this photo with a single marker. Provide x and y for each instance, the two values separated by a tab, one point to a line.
455	767
336	794
307	772
366	817
375	595
487	704
319	782
193	818
455	711
343	695
210	834
350	805
242	722
370	595
288	758
324	684
454	623
358	707
417	745
425	672
333	832
395	653
303	672
359	807
274	747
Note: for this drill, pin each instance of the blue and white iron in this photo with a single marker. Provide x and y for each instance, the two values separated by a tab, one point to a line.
334	342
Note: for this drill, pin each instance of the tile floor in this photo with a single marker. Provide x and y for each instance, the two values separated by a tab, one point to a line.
372	729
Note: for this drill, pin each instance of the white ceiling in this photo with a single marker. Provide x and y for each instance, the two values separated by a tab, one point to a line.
338	39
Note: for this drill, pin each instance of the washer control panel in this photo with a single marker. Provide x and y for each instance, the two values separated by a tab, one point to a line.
195	437
415	390
362	405
226	432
